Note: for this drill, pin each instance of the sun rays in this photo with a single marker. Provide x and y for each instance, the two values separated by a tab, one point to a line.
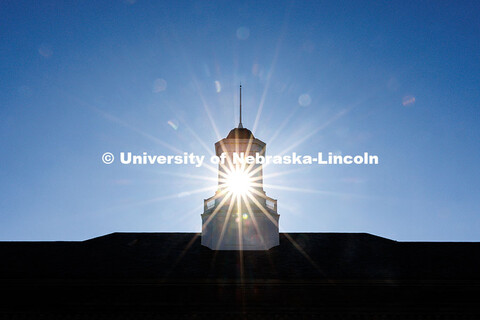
240	187
238	182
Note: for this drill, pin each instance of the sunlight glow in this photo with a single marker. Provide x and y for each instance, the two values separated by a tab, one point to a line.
238	182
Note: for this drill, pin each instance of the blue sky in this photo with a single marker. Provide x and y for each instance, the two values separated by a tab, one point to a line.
399	79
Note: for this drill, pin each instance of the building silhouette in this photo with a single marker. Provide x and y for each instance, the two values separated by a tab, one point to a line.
172	276
240	216
240	267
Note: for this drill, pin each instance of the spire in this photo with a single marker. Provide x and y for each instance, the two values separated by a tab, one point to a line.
240	124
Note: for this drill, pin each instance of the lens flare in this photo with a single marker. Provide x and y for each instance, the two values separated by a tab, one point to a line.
408	100
159	85
304	100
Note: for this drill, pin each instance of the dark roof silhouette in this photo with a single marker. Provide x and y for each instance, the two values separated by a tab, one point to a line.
180	255
240	133
307	274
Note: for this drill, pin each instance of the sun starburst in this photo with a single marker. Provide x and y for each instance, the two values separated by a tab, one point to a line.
238	181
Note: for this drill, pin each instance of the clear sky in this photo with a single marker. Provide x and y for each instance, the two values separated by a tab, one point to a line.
399	79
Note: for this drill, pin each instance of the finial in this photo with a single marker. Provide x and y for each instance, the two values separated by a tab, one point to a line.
240	124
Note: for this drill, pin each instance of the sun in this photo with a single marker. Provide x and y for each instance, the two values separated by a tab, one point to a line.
238	182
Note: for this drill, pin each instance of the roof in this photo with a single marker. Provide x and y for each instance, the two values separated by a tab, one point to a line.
170	256
172	276
240	133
